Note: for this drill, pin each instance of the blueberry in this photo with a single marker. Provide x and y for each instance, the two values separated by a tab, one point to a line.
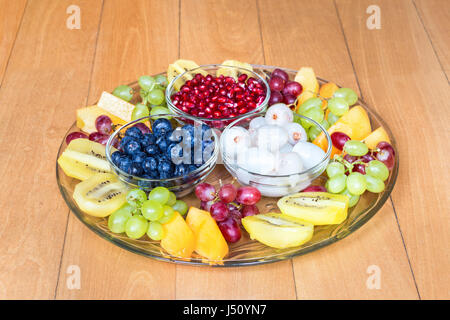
134	132
132	146
149	138
165	167
150	165
181	170
175	152
161	126
165	175
175	135
124	140
163	157
152	150
125	164
162	143
136	169
115	156
139	157
189	128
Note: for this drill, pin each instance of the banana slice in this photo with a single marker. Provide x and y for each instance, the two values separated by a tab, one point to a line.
180	66
318	208
230	72
100	195
84	158
277	230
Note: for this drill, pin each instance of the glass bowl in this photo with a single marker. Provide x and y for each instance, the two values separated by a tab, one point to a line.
274	185
212	69
245	252
180	185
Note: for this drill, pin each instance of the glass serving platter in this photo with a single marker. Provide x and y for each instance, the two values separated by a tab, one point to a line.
246	251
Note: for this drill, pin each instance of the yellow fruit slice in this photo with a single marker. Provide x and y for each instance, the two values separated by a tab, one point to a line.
180	66
230	72
376	137
86	118
277	230
307	78
209	241
179	240
100	195
116	106
318	208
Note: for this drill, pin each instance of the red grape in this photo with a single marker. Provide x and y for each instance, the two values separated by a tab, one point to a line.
367	157
276	83
230	230
75	135
315	189
99	137
280	73
234	213
144	129
227	193
339	139
205	192
292	88
103	124
386	154
219	211
251	210
206	205
275	97
359	168
350	158
289	99
248	195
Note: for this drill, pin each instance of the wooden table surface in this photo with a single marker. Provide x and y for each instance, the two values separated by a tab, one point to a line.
47	71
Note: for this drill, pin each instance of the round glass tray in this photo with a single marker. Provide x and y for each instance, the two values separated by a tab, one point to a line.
245	252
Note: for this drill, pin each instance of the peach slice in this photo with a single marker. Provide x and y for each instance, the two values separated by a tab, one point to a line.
179	240
376	137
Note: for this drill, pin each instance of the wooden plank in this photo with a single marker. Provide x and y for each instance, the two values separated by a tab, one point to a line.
211	32
401	76
435	16
135	38
47	77
308	33
10	18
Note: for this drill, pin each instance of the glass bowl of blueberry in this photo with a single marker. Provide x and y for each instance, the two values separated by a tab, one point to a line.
218	94
163	151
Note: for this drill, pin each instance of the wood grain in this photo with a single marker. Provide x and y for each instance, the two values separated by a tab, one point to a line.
10	18
435	15
334	272
136	38
211	32
401	77
47	76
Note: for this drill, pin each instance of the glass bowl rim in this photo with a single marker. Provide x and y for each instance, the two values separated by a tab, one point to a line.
307	171
259	108
200	169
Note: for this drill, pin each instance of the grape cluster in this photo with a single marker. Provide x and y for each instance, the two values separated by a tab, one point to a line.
104	127
228	206
142	215
282	89
360	169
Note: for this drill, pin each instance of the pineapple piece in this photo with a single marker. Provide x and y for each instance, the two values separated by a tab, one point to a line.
116	106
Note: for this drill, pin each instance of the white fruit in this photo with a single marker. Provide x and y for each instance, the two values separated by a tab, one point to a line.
235	140
289	163
296	133
256	123
309	153
286	148
271	137
279	114
257	160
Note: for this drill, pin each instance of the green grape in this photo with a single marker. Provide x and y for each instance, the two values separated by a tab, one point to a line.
314	113
181	207
136	227
123	92
168	214
146	82
308	104
159	194
334	169
140	111
136	197
313	132
155	231
172	199
377	169
356	183
348	94
374	185
160	110
161	80
152	210
332	118
118	219
156	97
325	124
352	199
355	148
337	183
338	106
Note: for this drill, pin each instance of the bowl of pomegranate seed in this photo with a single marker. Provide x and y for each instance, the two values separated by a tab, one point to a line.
218	94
